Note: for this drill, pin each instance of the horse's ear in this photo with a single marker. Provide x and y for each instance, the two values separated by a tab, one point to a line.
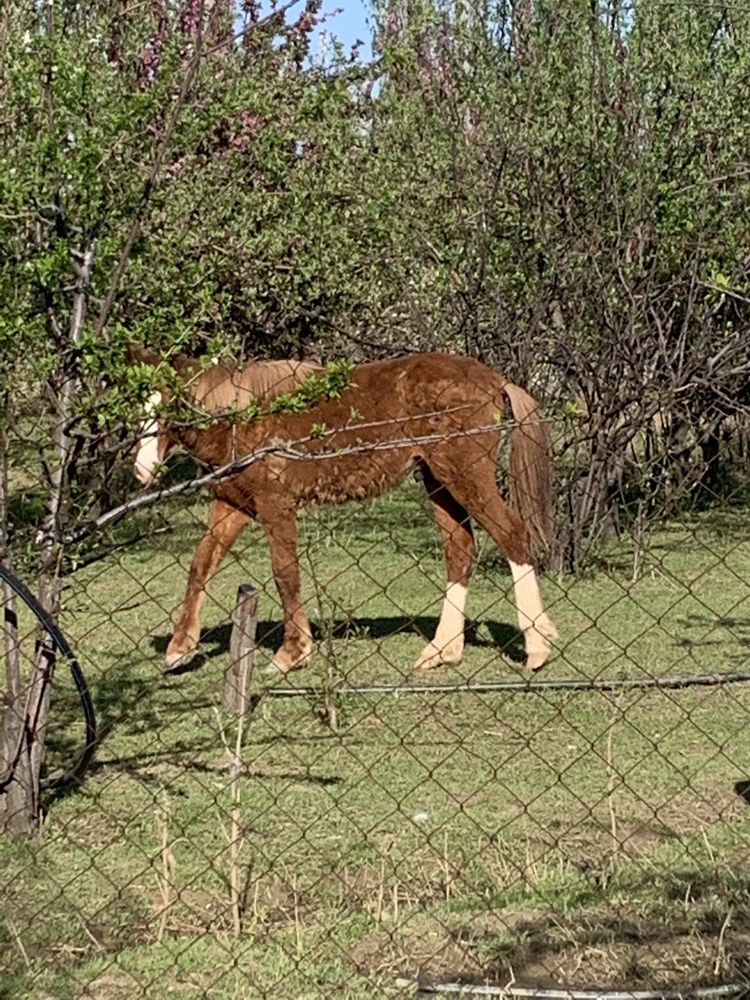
184	366
137	354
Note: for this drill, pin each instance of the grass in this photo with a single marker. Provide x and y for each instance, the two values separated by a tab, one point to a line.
583	839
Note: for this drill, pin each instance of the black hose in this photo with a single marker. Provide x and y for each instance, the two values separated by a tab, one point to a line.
76	772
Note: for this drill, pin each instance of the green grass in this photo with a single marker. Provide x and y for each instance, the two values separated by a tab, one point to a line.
557	837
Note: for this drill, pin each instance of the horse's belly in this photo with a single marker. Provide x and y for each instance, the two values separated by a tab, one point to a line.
333	479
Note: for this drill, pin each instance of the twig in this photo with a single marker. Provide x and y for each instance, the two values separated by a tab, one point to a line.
290	450
168	865
297	928
611	794
235	835
720	944
447	867
97	944
17	937
380	894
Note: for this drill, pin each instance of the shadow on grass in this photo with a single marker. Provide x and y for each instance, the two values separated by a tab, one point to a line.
637	947
184	755
123	701
215	641
623	953
137	766
131	702
738	627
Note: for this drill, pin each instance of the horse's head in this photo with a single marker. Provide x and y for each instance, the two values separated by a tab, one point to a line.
153	442
154	438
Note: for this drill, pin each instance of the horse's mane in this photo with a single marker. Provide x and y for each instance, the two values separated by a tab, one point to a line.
219	386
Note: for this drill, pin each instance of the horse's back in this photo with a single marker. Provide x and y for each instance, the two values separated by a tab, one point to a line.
220	387
425	382
413	380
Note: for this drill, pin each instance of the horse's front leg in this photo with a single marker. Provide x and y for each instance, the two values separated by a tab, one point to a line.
225	525
280	524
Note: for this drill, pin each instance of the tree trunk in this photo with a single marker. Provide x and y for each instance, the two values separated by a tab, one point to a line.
25	720
15	781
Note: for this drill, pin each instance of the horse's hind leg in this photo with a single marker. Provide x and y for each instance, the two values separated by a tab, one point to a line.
539	632
458	551
225	525
473	485
280	524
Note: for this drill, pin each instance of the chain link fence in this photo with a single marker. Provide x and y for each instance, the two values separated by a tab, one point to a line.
361	828
558	189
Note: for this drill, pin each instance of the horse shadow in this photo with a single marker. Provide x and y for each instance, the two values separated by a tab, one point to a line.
214	641
127	706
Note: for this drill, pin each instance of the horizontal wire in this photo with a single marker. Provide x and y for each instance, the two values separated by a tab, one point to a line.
481	687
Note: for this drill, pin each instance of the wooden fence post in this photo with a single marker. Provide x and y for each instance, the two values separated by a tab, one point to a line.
236	696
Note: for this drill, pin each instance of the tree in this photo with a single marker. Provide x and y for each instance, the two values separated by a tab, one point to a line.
573	195
147	154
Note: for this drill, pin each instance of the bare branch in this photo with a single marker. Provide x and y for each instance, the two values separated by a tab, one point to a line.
291	450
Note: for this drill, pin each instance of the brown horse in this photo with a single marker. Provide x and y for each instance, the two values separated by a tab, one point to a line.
437	413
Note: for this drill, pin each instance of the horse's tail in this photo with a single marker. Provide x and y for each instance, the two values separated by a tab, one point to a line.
530	466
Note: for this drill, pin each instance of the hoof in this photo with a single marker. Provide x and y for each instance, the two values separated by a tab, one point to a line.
175	659
539	640
535	661
433	656
181	649
274	670
283	663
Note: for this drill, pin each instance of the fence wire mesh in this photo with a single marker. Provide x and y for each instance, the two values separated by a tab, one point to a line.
366	828
451	793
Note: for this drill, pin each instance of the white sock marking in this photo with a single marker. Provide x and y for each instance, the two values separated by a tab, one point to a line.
538	630
147	457
451	625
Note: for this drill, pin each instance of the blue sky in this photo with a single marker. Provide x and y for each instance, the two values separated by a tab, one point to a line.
350	24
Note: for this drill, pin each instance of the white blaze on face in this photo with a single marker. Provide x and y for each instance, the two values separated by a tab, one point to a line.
147	458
